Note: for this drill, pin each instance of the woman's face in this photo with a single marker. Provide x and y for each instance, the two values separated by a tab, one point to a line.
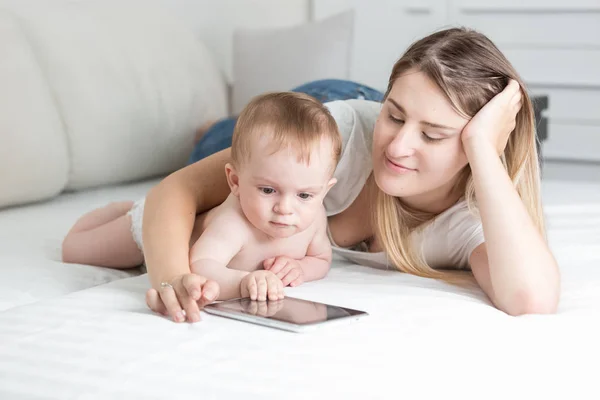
417	150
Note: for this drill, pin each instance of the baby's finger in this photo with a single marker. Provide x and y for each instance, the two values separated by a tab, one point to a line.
291	276
276	284
298	281
169	298
261	289
284	271
268	263
154	302
252	288
273	292
281	290
210	292
193	285
279	264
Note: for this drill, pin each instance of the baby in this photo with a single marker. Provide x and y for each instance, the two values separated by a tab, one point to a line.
271	231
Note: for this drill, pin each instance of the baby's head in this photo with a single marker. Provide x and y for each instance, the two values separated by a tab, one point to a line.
284	151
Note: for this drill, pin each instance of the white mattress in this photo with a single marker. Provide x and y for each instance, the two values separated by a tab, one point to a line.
70	331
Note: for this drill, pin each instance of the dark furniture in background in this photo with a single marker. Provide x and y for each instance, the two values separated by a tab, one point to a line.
540	103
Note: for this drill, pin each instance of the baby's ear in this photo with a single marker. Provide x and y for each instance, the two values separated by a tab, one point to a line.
330	184
233	179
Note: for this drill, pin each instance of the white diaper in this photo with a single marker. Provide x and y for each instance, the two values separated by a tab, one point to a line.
137	215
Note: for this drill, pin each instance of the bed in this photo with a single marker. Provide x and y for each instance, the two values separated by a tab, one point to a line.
125	109
80	332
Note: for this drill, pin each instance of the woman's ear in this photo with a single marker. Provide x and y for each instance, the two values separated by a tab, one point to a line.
233	179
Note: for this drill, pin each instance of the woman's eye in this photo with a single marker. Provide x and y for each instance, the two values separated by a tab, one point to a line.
267	190
305	196
428	138
396	120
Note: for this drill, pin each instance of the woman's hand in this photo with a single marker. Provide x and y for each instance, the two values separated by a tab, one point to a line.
183	297
495	122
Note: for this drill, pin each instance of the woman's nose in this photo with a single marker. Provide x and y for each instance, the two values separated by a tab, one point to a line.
404	143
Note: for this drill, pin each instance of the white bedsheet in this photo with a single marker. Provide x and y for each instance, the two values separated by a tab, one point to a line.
423	339
30	246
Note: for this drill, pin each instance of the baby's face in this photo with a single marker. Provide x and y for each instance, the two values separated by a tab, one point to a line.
280	195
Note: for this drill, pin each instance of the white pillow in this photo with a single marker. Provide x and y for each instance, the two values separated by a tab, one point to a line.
280	59
34	162
132	84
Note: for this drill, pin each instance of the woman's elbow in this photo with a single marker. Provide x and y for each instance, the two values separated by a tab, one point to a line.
533	300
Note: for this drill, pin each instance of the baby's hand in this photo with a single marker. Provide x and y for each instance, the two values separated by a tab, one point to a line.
259	284
287	269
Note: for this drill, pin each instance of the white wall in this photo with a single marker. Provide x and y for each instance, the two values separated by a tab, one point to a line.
216	20
554	44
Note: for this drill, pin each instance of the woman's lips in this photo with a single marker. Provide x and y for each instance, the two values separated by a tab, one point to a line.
397	168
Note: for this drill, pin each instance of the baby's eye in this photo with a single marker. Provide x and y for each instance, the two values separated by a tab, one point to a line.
305	196
267	190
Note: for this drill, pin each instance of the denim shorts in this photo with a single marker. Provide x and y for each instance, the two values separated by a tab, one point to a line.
218	137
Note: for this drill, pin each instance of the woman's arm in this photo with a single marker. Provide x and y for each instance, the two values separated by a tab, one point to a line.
515	266
222	240
169	216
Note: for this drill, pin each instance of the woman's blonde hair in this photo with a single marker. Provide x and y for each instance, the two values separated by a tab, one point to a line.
470	70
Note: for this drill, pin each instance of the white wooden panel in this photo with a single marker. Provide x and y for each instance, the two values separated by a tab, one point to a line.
326	8
569	171
570	106
383	31
215	21
544	30
533	6
572	142
557	67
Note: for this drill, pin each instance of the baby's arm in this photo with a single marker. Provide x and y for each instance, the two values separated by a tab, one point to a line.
214	249
313	266
318	255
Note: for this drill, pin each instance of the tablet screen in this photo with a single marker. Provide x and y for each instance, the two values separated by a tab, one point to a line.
290	310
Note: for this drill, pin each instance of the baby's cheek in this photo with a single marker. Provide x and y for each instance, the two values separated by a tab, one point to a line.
307	217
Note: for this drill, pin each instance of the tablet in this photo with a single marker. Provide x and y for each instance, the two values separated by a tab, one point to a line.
290	314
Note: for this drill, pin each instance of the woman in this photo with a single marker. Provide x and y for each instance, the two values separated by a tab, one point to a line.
446	167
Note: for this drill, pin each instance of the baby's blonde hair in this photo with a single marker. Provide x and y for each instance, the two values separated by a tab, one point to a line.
289	120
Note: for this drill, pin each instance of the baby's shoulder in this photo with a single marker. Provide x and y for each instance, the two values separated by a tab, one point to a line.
228	216
319	225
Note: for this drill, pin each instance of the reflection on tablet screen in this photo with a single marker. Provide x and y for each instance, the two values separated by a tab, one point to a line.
291	310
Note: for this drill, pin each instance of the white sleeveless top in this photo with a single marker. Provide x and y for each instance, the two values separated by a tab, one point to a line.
447	242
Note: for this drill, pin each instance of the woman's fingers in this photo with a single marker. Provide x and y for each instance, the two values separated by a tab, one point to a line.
154	302
169	298
188	292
